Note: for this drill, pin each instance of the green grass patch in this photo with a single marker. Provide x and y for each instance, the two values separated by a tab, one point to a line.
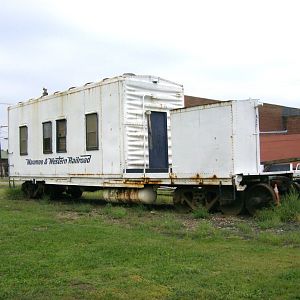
291	239
12	193
245	228
201	213
115	212
268	218
165	223
205	230
76	250
287	211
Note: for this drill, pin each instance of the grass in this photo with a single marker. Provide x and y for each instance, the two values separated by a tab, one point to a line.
288	211
13	194
92	250
116	212
205	230
245	228
268	218
201	213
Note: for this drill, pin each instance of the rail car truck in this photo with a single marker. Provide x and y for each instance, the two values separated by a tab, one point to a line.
129	135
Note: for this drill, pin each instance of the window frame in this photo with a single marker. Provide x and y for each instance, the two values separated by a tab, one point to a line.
88	147
20	140
51	146
61	137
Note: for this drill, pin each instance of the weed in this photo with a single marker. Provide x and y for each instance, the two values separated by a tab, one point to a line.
139	210
289	210
170	223
286	239
268	218
166	223
206	230
201	213
116	212
82	208
46	199
293	274
244	228
13	194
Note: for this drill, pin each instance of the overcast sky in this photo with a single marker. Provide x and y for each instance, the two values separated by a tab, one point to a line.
216	49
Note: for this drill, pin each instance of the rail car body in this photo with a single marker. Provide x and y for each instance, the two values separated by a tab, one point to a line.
130	134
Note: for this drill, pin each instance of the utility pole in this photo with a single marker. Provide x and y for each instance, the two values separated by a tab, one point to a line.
1	165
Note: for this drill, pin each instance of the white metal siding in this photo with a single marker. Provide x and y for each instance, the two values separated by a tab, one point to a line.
118	103
246	143
215	141
111	133
71	106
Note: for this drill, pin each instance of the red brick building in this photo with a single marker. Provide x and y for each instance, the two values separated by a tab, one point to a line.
280	132
279	127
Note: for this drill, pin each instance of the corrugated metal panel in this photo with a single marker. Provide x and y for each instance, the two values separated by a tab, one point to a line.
142	96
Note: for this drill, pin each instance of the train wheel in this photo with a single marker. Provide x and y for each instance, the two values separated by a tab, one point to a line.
54	191
33	190
184	196
212	198
196	197
75	192
27	189
192	197
259	196
229	205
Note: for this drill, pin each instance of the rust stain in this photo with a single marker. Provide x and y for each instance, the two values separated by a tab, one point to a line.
172	176
197	178
151	181
143	181
85	174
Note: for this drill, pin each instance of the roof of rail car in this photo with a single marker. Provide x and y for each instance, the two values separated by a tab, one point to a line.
89	85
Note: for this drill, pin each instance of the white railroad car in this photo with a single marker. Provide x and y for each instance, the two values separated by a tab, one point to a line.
99	135
218	145
129	134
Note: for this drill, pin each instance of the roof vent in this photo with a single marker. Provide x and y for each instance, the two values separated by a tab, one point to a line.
45	92
88	83
71	88
155	80
129	74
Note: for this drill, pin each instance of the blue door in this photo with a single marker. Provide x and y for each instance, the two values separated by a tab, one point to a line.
158	142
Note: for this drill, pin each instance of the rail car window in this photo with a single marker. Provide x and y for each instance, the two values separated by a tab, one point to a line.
61	135
23	140
47	137
91	125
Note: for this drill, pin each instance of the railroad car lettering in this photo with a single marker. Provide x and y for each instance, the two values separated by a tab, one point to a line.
82	159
